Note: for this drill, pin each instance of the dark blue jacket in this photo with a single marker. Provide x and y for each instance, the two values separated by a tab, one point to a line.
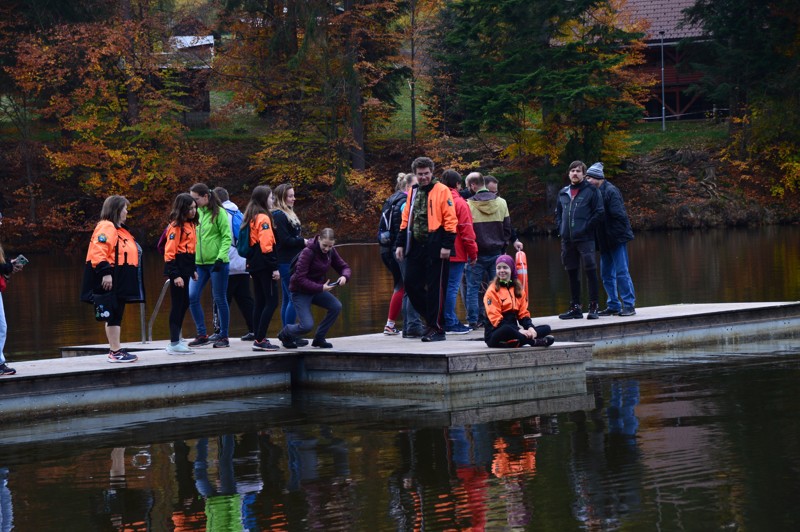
577	218
616	227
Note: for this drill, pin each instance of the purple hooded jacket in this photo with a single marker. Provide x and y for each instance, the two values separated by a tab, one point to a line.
311	270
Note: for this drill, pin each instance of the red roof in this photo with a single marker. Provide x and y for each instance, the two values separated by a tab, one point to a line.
664	15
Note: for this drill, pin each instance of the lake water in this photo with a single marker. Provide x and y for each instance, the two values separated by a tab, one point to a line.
701	440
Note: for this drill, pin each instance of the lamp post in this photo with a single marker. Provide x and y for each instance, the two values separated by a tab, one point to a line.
663	108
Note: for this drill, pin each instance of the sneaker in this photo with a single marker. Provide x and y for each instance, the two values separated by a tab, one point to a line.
264	345
287	340
214	337
222	341
434	336
458	328
121	356
574	313
413	333
628	311
546	341
608	312
474	325
322	343
200	340
5	370
391	331
301	342
249	337
178	349
592	314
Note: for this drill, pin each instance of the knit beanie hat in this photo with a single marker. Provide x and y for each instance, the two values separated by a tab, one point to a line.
595	171
508	261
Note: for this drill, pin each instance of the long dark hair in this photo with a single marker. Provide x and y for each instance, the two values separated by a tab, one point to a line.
112	209
201	189
180	209
259	204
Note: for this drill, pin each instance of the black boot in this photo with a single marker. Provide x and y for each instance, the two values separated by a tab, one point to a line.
593	311
574	313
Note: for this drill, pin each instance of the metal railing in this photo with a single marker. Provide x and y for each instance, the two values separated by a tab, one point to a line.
149	337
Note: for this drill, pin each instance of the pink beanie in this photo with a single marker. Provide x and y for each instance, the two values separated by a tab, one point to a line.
507	260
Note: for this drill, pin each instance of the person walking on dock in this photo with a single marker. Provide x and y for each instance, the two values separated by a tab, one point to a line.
426	240
310	286
112	266
613	235
506	304
179	266
211	257
578	212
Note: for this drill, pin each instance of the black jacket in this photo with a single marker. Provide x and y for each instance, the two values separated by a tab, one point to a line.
577	218
616	227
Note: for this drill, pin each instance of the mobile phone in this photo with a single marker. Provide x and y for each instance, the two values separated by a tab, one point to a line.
335	283
21	260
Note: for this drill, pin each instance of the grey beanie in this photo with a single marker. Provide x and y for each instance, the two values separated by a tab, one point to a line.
595	171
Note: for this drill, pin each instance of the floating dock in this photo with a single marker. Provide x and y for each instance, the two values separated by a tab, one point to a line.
459	375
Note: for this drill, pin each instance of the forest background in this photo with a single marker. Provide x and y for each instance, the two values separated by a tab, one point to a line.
338	97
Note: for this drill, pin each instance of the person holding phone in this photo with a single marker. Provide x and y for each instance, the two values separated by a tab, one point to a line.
6	269
310	286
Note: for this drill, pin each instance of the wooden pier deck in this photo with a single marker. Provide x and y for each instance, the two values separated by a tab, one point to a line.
461	374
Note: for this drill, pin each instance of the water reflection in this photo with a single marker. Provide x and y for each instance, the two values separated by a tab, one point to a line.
696	449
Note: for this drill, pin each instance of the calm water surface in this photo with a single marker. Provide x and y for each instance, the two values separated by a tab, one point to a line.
690	439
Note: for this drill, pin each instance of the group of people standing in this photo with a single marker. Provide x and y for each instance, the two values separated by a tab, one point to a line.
201	245
434	236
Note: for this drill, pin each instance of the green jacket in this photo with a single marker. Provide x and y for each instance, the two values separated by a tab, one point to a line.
213	238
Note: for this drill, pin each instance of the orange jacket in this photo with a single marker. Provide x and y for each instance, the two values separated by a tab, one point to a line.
261	232
501	300
441	209
103	247
180	240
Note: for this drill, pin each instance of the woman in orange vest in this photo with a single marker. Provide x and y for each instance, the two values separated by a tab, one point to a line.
179	266
262	264
112	265
506	304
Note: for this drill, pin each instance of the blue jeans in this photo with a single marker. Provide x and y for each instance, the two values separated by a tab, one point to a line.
453	284
288	315
305	321
476	273
219	293
3	331
616	277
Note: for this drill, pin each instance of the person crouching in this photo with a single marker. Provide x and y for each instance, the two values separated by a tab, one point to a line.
506	303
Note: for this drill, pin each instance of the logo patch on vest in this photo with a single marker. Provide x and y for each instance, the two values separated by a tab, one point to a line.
450	202
489	301
102	238
172	236
265	225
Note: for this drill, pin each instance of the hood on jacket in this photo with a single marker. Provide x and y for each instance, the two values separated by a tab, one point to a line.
230	205
485	202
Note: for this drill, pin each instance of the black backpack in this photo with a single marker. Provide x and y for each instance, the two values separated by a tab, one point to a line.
389	224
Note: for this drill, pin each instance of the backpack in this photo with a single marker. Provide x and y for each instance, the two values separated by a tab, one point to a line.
236	224
389	224
243	246
161	246
293	263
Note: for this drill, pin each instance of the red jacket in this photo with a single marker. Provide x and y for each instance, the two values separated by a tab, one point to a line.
466	248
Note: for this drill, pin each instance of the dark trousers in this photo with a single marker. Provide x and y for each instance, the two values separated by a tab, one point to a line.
180	304
267	299
239	291
505	334
426	283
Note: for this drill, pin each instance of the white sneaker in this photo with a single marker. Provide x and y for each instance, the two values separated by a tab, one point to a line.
179	349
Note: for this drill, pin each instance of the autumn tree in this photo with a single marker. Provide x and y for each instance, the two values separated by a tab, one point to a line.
749	60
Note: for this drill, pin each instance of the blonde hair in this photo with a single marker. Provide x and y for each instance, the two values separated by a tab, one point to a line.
402	182
279	199
2	255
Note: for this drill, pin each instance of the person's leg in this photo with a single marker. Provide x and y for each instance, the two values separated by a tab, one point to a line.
474	273
506	336
609	275
437	274
574	287
239	291
114	327
180	303
288	314
305	320
3	330
416	264
412	324
453	283
219	291
195	290
488	264
624	281
333	307
268	290
260	304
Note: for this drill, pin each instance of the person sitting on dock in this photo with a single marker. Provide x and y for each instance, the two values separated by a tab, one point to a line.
506	304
